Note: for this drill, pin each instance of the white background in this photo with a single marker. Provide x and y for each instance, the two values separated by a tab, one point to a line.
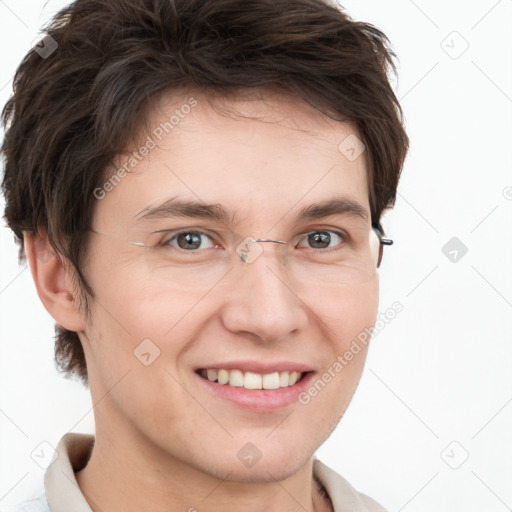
437	387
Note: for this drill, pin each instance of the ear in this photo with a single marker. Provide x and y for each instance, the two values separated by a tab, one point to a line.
53	280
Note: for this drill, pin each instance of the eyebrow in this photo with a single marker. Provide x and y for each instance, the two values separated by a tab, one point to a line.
176	208
337	206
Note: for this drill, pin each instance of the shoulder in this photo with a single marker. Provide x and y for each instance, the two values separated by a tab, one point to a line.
343	496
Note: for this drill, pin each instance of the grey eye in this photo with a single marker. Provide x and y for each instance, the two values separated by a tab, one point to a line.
322	239
190	240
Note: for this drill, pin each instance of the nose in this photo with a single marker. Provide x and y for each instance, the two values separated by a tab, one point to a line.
262	300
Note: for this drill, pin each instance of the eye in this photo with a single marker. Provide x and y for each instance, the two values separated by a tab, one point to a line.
191	240
323	239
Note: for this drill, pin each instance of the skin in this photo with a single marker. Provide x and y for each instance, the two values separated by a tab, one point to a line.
162	443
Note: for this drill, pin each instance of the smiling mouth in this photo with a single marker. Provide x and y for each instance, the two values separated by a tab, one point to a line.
252	380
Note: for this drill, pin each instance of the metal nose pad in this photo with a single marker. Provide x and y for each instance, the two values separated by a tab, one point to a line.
249	252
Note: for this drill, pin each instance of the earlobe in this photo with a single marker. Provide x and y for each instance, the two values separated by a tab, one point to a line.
53	280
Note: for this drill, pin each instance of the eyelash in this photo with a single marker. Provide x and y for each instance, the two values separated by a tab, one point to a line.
343	236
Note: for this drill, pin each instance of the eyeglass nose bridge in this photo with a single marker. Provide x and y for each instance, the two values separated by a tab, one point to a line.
268	240
247	253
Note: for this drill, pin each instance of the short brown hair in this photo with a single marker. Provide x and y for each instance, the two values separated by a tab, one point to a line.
73	112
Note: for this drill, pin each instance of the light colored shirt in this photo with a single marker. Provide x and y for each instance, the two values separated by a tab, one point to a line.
62	494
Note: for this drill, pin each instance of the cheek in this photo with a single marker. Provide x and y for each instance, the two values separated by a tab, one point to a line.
129	299
135	321
349	317
350	311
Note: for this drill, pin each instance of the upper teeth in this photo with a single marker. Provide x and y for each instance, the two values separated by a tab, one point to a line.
251	380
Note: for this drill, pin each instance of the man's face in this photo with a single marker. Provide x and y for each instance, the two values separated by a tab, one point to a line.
162	317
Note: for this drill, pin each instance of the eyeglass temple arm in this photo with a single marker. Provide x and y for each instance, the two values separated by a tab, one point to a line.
380	233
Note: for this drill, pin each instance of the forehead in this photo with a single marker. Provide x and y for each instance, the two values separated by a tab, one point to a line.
262	156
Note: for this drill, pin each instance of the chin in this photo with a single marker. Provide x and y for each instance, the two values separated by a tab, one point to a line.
270	461
266	472
276	462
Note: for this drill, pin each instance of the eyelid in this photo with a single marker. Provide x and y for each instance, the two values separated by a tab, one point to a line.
330	229
189	229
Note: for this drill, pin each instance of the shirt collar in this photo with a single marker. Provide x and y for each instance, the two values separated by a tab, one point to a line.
62	491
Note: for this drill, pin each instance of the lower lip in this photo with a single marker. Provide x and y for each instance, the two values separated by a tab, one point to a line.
259	400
